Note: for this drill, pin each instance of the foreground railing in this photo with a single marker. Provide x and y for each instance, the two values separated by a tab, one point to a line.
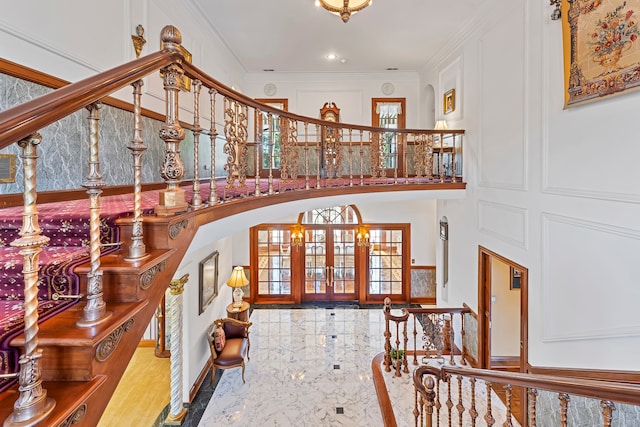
311	154
433	336
471	402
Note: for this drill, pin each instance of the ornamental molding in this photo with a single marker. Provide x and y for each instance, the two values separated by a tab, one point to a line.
108	345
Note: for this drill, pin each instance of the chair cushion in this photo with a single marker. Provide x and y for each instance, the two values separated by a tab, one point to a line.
233	330
233	353
219	338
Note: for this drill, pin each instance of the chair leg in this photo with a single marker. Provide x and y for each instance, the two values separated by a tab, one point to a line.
243	373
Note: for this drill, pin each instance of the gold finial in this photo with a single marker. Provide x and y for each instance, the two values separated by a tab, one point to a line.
177	286
138	40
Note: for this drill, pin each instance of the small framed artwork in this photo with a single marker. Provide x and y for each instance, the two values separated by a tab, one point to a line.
515	278
208	281
449	103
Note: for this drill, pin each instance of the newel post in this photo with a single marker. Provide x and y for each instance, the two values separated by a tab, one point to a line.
172	198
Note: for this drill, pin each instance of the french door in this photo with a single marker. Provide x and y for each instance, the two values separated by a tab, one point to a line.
330	259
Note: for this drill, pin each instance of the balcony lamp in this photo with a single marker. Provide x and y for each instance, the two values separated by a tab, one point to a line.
362	237
441	125
297	237
237	280
343	8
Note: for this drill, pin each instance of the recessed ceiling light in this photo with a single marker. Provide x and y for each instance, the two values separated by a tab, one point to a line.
331	56
343	60
392	68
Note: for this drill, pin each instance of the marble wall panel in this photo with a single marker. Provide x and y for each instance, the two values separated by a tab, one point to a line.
64	151
423	283
471	335
582	411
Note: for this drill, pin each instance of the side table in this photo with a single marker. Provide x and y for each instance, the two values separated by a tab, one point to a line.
239	313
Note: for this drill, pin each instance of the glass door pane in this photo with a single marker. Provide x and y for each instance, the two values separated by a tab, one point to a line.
385	262
344	263
274	262
315	262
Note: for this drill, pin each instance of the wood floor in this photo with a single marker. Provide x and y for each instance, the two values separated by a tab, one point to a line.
142	394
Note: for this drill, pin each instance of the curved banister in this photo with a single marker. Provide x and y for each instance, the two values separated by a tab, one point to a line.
595	389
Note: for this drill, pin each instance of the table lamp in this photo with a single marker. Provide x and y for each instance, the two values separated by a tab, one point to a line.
237	280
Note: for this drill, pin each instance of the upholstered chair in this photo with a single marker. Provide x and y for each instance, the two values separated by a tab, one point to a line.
229	344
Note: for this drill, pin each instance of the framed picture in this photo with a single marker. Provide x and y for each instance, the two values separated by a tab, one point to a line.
601	49
515	278
449	103
208	281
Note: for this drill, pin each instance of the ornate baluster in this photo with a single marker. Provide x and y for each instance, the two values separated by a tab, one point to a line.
272	144
319	153
429	384
404	356
441	159
137	249
196	200
451	341
177	411
172	198
460	405
32	404
387	335
361	157
438	404
405	154
429	154
463	356
235	129
415	339
213	135
508	394
306	156
94	310
473	413
258	152
350	157
607	412
488	417
564	407
398	363
453	160
449	402
396	160
533	395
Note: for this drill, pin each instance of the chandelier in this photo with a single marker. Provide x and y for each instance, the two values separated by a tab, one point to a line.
343	8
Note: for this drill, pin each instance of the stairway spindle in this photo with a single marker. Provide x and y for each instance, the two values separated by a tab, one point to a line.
137	249
508	395
473	412
318	154
95	310
449	402
196	199
607	412
32	404
213	135
460	405
306	156
564	407
488	416
533	395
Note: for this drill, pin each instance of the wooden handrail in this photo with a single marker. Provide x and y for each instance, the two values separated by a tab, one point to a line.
25	119
438	310
595	389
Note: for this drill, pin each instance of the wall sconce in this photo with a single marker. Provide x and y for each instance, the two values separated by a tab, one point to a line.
557	13
363	237
297	237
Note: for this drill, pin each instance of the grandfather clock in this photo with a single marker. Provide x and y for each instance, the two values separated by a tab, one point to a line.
330	140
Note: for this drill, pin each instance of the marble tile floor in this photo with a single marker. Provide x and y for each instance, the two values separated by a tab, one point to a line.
309	367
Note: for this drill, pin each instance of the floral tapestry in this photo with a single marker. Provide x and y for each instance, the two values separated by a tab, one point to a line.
601	48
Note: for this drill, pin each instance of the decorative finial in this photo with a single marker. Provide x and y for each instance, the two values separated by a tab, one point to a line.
138	40
171	34
177	286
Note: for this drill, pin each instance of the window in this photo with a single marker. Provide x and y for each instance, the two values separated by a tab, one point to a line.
389	113
268	125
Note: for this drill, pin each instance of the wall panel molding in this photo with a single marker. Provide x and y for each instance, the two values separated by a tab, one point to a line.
573	252
496	220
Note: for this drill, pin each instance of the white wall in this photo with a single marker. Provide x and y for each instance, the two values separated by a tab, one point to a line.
545	191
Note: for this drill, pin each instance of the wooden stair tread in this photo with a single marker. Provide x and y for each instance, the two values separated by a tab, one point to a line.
116	262
68	395
62	330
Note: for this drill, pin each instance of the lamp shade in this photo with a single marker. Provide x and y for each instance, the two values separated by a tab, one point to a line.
238	279
441	125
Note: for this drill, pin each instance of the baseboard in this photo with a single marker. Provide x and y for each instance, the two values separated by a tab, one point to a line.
631	377
196	386
505	363
147	343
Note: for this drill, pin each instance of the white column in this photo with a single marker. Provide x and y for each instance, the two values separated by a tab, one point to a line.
177	412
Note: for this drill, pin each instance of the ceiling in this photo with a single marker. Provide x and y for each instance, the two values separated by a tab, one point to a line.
297	36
